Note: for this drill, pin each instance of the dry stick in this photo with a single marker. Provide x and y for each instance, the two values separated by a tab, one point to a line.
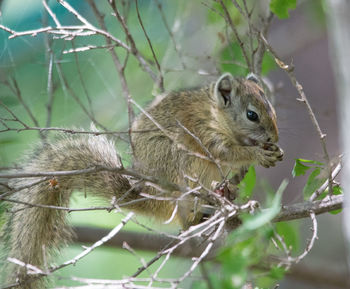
82	30
247	15
50	92
312	240
97	244
127	247
104	208
15	89
98	168
122	21
205	252
234	30
69	210
258	54
171	34
309	246
131	40
65	130
49	51
291	212
11	191
82	79
122	281
7	128
169	250
73	261
15	118
288	213
120	69
227	37
161	81
325	185
88	47
17	92
31	269
289	69
208	247
50	12
283	243
302	210
113	286
67	89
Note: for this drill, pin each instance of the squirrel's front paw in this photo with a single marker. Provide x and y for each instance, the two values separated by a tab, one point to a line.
269	154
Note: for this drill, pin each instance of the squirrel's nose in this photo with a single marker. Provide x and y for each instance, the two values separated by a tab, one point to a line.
273	138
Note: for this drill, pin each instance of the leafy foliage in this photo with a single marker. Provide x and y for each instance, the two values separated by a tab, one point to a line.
281	7
290	234
300	169
315	179
233	61
247	248
247	185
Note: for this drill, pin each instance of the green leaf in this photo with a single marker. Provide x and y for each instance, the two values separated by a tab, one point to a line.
311	162
268	64
277	272
300	169
235	260
322	195
265	216
247	185
268	279
281	7
313	183
337	190
335	212
290	234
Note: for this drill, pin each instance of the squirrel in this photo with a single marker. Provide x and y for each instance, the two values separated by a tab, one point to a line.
189	137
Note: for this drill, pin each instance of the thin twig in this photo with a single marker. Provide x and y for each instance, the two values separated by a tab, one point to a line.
160	81
235	32
289	69
171	34
119	67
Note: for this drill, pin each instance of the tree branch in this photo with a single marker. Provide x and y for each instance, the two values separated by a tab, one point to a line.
153	242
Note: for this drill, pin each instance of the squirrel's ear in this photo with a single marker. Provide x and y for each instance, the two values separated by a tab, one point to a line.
252	77
224	89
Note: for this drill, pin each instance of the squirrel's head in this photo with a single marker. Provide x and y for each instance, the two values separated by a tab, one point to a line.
244	109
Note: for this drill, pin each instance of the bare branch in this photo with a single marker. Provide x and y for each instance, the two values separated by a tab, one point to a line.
119	67
289	69
97	244
302	210
238	38
161	83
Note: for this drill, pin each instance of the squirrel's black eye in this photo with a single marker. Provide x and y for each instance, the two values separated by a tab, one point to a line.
252	116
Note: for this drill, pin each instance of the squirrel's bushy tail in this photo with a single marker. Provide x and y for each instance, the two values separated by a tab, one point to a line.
31	234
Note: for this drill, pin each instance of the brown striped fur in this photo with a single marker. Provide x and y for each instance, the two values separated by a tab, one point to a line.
216	114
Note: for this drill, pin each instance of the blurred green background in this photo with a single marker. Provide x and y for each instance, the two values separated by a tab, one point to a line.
199	33
90	74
